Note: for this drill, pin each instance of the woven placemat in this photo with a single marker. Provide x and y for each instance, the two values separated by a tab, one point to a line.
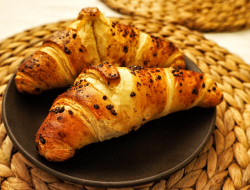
200	15
223	163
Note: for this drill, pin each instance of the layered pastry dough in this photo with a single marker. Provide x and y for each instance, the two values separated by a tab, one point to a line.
107	101
89	40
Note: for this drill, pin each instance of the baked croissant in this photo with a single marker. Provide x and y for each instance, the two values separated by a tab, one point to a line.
89	40
107	101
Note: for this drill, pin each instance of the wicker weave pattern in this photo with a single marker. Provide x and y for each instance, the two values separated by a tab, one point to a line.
223	163
200	15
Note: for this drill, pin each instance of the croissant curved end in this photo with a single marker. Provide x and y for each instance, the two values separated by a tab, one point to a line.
53	150
213	98
24	86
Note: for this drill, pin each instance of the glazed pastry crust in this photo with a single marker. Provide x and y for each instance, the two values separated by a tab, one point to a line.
107	101
89	40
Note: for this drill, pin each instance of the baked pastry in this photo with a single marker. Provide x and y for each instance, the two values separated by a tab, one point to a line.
89	40
107	101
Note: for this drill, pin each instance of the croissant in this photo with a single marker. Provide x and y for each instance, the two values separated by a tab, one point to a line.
89	40
107	101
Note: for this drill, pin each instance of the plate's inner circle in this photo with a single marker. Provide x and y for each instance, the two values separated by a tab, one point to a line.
151	153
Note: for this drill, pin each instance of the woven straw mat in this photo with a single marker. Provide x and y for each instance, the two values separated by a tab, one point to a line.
200	15
225	160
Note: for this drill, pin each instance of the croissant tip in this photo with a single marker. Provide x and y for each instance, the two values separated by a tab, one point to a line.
53	150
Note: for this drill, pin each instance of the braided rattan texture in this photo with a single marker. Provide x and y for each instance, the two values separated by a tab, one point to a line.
200	15
224	163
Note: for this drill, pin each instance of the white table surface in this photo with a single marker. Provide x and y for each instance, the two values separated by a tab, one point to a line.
19	15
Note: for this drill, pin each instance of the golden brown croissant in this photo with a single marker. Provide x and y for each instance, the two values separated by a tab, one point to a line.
89	40
107	102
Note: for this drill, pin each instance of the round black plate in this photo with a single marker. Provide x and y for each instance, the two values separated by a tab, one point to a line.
158	149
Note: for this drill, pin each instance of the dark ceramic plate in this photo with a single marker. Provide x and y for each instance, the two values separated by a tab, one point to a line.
158	149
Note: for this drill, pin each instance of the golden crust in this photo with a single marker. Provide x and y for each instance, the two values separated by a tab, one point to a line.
103	109
91	39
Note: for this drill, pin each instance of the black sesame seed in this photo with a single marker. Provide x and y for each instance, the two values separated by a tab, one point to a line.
201	77
180	91
96	106
100	65
67	50
209	90
74	36
57	109
113	75
113	112
70	112
104	97
155	54
42	140
109	107
86	84
180	84
214	88
132	94
80	49
145	62
150	80
61	109
157	70
194	91
76	84
158	77
203	85
125	49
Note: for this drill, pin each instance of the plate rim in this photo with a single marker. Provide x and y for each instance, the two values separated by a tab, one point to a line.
104	184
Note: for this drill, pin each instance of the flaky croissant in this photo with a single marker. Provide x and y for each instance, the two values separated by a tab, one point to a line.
107	102
89	40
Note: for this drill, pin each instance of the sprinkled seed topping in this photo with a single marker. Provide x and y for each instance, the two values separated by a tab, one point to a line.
145	62
157	70
96	106
74	35
86	84
180	84
209	90
61	109
195	91
104	97
158	77
100	65
70	112
150	80
125	49
180	91
42	140
214	88
113	112
201	77
80	49
132	94
67	50
203	85
109	107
